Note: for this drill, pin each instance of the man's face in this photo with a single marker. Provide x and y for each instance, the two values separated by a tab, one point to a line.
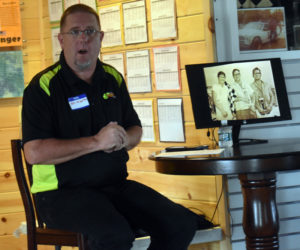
237	76
81	51
222	78
257	74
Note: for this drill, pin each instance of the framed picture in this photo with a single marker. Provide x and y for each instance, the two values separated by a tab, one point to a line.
262	29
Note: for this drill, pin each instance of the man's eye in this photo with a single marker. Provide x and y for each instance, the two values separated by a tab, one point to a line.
75	32
89	31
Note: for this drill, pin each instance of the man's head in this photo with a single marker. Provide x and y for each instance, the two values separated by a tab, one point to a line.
80	37
221	77
221	73
78	8
256	73
236	75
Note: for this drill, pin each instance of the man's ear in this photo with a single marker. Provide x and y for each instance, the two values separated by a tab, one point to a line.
61	40
101	35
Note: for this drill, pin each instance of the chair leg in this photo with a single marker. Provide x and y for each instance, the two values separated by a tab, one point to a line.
57	247
31	243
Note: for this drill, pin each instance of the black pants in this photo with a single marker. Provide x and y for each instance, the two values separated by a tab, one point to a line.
108	216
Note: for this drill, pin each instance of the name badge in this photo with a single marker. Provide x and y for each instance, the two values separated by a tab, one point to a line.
78	102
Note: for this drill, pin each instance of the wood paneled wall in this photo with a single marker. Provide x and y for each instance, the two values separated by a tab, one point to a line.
35	31
195	42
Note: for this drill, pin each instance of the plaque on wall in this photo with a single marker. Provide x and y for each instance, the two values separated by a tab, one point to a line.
10	24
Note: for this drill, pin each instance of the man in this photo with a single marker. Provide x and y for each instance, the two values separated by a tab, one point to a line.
223	98
78	124
244	101
263	94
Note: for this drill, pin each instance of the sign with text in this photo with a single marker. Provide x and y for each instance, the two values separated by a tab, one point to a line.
10	23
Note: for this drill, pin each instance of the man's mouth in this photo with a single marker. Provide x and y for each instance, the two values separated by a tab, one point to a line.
82	51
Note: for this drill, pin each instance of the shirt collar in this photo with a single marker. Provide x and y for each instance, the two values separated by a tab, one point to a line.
72	79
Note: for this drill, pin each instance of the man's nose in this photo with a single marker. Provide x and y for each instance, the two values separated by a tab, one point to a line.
82	36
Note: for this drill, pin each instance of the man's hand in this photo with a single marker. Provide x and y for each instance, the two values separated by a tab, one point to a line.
224	113
112	137
269	109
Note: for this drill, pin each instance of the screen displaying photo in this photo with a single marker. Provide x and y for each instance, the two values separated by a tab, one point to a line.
239	91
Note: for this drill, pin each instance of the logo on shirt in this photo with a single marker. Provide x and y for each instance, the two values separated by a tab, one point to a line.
108	95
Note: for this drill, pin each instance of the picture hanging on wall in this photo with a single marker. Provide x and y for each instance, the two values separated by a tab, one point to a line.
262	29
11	74
55	10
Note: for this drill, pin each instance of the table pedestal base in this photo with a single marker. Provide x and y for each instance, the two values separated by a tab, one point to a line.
260	216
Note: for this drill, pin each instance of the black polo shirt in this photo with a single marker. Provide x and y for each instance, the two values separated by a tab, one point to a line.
57	104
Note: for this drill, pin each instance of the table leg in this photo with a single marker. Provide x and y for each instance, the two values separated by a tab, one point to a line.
260	216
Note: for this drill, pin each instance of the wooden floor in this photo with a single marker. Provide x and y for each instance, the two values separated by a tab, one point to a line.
201	236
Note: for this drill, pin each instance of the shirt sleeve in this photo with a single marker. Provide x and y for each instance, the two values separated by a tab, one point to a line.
130	117
37	122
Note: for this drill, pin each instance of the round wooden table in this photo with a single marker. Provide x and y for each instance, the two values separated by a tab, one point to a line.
256	166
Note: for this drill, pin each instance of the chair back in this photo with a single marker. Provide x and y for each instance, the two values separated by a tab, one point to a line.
38	235
18	160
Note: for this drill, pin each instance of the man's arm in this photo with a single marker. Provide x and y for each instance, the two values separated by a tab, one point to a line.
55	151
258	106
134	135
110	138
218	104
271	95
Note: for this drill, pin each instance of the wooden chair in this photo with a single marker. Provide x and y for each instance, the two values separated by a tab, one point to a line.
38	235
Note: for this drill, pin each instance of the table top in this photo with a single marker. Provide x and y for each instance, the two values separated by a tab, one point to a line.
276	155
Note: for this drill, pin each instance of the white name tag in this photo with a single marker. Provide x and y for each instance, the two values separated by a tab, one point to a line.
78	102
